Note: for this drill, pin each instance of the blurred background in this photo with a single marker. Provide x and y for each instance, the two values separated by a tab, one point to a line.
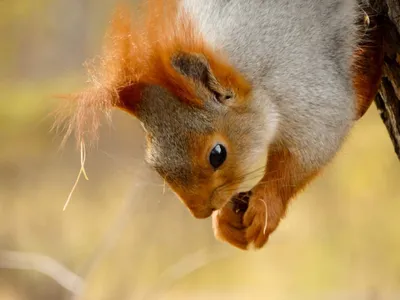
126	235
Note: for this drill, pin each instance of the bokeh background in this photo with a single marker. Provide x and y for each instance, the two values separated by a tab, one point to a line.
127	235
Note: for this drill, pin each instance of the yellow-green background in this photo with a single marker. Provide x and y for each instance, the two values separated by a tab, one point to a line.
340	240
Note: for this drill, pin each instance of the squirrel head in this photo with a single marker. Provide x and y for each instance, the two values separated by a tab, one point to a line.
208	152
205	135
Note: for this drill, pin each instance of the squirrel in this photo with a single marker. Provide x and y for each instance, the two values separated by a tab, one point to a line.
242	103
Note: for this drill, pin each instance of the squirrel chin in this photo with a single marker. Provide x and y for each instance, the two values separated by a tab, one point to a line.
202	214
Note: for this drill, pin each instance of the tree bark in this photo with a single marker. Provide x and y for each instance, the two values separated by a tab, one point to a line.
387	99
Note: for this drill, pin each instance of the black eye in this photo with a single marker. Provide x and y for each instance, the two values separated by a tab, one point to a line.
217	156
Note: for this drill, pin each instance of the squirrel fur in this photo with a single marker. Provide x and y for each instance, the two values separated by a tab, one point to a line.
277	84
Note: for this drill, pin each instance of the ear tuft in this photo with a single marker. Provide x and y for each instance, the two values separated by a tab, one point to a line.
109	74
81	114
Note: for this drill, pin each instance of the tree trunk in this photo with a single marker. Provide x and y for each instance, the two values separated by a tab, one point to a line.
387	99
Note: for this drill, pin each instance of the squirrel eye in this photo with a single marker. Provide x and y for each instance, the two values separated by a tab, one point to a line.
217	156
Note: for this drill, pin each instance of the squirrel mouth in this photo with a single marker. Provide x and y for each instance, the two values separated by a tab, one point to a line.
238	202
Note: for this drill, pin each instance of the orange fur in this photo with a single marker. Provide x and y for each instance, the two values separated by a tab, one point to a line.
198	194
139	53
268	202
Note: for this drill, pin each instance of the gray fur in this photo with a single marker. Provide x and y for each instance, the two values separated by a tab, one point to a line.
167	123
297	55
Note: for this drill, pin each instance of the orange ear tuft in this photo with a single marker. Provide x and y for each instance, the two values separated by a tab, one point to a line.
108	74
81	114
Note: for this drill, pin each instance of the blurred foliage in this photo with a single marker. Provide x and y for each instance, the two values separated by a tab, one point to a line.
340	239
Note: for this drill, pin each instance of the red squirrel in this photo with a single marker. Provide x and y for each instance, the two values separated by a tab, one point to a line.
242	102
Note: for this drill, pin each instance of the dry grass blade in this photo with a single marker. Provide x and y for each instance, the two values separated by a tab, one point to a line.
81	171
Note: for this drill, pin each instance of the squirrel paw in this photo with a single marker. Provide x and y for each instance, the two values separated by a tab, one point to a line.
228	226
247	220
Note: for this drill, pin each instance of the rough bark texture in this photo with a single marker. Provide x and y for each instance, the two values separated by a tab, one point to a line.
388	98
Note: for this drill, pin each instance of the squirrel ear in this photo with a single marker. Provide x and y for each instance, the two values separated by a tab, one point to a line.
196	68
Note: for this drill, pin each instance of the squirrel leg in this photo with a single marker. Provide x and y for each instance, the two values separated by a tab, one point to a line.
266	203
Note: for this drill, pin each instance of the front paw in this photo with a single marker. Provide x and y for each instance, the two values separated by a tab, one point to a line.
228	225
248	219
